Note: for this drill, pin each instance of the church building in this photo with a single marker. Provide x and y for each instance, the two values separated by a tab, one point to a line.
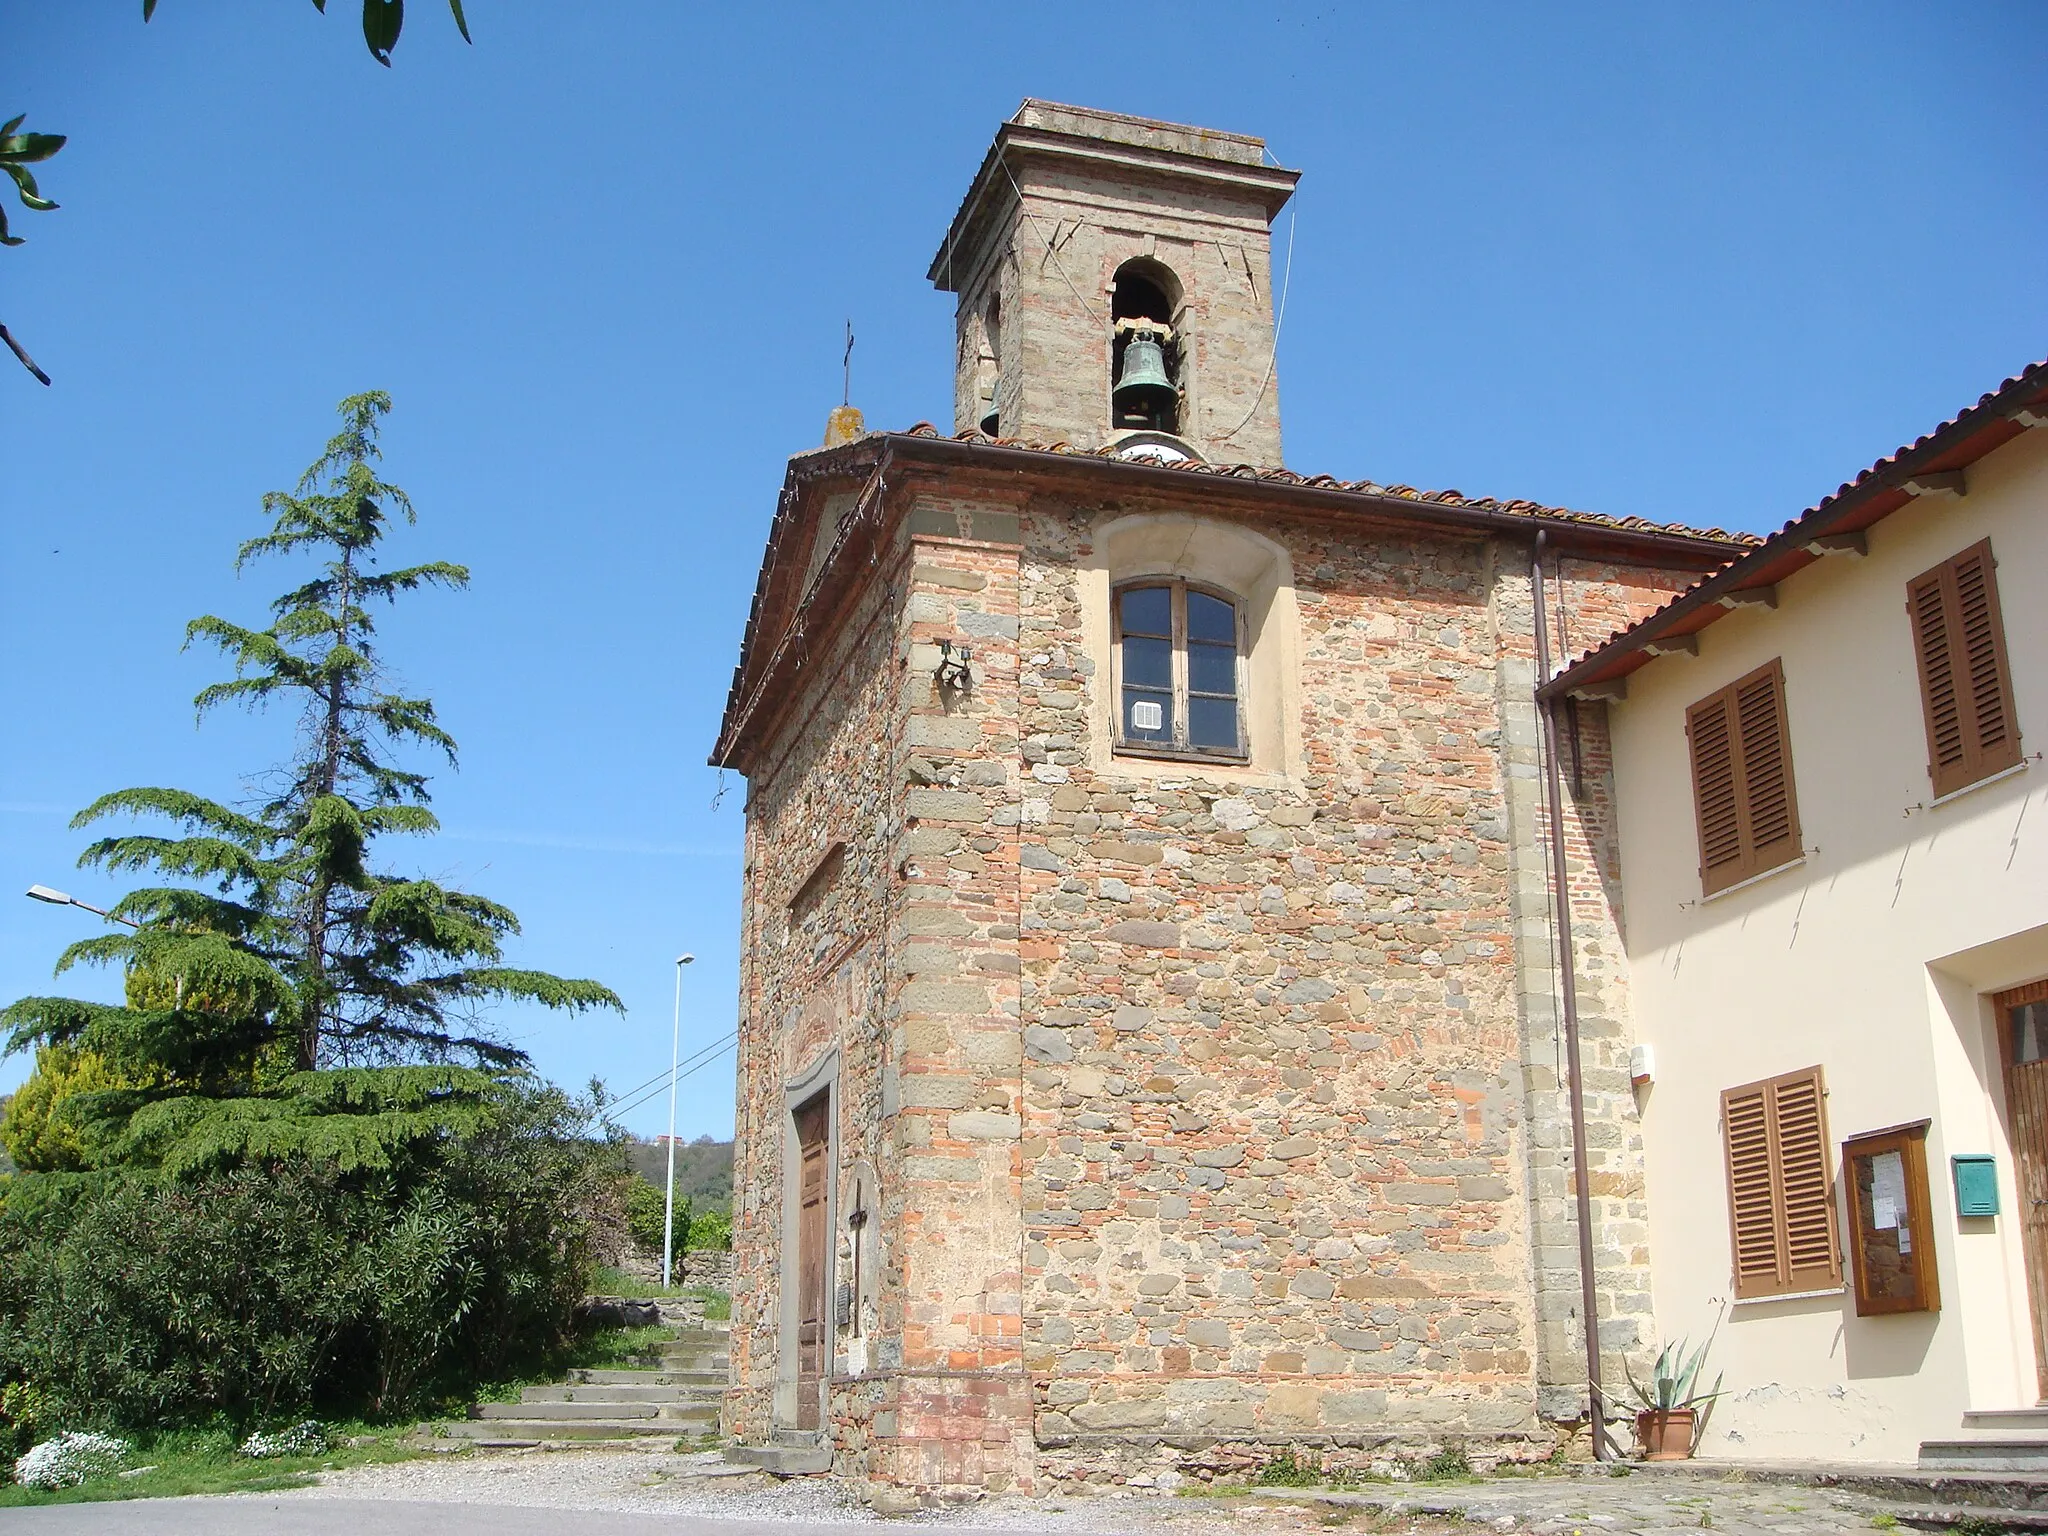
1153	1054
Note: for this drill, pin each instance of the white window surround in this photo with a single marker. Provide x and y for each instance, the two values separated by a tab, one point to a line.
1232	560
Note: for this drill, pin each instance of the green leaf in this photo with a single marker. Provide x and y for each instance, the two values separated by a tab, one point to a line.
461	24
382	22
148	10
30	196
31	146
11	124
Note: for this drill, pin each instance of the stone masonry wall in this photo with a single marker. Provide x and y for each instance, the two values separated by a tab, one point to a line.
1053	343
1587	603
813	974
1210	1111
954	1413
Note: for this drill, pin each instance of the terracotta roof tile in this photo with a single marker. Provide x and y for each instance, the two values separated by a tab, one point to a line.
1957	433
1274	476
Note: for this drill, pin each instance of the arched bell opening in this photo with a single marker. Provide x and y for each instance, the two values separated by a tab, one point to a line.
989	368
1145	351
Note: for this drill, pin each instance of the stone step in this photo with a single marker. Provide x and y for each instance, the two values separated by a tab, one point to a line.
620	1392
692	1360
567	1411
533	1431
716	1380
1927	1487
1986	1455
668	1413
2005	1423
794	1455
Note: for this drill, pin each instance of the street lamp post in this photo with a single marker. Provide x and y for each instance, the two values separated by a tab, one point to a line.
668	1209
60	899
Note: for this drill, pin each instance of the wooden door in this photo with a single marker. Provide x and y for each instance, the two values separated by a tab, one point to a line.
2023	1038
813	1138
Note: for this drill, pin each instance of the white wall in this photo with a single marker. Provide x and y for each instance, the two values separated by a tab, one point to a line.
1869	958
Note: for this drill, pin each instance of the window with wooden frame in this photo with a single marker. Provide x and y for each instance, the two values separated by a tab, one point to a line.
1891	1234
1742	787
1781	1213
1180	666
1965	682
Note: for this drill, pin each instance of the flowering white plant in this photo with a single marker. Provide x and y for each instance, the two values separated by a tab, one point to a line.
70	1459
306	1438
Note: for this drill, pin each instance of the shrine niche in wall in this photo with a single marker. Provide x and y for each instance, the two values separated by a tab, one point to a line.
1891	1234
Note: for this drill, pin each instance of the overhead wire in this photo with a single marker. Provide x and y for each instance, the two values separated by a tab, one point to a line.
1279	319
700	1059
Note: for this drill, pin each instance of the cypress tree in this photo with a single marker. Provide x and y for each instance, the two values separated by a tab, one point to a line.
301	1000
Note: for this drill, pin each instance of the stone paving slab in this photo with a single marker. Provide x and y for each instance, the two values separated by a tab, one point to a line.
1581	1502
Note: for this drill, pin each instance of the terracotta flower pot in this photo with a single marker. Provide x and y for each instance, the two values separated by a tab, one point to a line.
1666	1433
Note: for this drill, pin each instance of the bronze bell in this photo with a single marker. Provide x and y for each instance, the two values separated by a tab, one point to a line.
1143	392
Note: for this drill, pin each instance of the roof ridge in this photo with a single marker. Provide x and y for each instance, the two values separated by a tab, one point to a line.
1278	475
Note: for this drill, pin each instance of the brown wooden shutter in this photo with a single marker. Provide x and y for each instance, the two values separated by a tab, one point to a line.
1752	1191
1965	683
1780	1204
1743	796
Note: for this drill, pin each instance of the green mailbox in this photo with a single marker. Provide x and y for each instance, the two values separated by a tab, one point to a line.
1976	1177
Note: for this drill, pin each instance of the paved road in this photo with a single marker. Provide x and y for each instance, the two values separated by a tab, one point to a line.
369	1517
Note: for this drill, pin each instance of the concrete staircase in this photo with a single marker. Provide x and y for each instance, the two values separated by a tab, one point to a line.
673	1393
1994	1440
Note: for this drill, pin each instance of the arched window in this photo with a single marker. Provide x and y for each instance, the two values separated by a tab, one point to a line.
1178	652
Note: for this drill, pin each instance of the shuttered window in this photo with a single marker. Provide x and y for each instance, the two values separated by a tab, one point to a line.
1742	780
1781	1213
1965	685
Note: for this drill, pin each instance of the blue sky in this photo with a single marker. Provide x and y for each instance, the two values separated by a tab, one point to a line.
1694	263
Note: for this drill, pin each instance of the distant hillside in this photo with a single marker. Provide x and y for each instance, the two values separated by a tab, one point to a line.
703	1168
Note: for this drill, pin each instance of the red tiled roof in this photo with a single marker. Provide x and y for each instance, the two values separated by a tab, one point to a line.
1665	543
1273	476
1859	504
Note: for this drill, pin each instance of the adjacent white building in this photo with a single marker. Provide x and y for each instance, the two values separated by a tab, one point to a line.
1833	824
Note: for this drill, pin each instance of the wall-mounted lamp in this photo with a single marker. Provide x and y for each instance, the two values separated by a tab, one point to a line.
952	674
1642	1065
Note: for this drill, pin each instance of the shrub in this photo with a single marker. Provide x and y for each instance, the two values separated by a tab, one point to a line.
69	1460
711	1229
131	1298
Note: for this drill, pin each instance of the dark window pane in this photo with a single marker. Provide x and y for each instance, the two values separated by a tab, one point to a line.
1210	618
2029	1033
1148	663
1148	611
1213	723
1212	669
1147	716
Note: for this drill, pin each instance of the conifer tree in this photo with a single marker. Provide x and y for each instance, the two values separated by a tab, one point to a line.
318	1004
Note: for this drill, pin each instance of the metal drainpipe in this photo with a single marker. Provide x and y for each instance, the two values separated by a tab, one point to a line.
1560	883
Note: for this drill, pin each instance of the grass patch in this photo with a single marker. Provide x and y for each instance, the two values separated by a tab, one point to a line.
717	1304
1287	1471
1449	1465
606	1281
607	1349
188	1461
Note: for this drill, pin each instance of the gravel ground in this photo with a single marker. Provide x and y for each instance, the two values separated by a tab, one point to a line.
700	1485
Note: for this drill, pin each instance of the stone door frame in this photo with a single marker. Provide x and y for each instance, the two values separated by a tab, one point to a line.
822	1076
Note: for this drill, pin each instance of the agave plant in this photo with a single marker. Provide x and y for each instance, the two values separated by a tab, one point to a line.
1674	1377
17	152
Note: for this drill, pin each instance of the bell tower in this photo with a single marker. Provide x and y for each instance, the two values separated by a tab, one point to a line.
1114	277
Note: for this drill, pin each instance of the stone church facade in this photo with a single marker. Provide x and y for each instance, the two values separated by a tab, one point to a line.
1149	1049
